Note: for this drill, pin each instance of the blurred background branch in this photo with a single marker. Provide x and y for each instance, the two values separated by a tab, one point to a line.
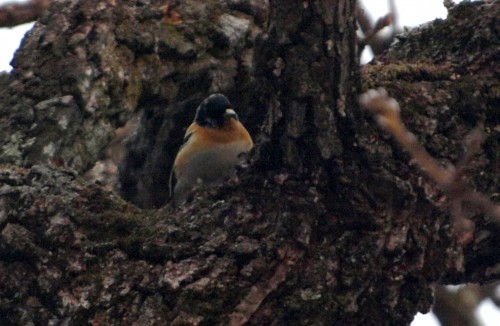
15	13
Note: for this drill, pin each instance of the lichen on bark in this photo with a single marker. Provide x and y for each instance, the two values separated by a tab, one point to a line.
329	221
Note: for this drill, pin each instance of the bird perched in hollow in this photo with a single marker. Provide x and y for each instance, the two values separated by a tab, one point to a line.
211	149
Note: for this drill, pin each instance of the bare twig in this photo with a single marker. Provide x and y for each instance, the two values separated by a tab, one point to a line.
450	179
395	17
13	14
386	111
371	36
457	307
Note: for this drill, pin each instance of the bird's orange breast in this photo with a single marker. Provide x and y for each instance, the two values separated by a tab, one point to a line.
203	139
233	130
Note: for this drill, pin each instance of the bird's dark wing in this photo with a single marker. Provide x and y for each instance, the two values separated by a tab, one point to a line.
172	180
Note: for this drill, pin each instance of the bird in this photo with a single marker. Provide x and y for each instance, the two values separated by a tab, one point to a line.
212	148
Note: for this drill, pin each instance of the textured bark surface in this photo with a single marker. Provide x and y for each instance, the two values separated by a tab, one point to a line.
329	222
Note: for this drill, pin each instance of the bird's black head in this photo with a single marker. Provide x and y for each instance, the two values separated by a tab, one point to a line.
214	111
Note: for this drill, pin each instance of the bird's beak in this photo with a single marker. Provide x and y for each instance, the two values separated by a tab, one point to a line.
230	113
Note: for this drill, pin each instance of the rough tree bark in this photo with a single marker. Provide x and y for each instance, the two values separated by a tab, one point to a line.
330	223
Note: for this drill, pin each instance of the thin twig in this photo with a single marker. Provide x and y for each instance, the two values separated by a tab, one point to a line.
450	179
371	36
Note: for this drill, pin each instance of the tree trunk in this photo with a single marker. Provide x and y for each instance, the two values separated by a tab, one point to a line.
330	223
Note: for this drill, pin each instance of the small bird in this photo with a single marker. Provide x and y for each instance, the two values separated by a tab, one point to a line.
211	149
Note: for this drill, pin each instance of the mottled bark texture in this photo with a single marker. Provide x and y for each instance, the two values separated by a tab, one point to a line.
329	224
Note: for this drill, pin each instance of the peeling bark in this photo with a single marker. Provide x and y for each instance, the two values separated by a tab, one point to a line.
329	222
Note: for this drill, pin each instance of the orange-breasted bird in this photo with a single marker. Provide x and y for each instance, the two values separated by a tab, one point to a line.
211	149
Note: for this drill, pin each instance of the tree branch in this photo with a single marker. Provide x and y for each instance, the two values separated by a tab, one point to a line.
328	222
13	14
387	114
